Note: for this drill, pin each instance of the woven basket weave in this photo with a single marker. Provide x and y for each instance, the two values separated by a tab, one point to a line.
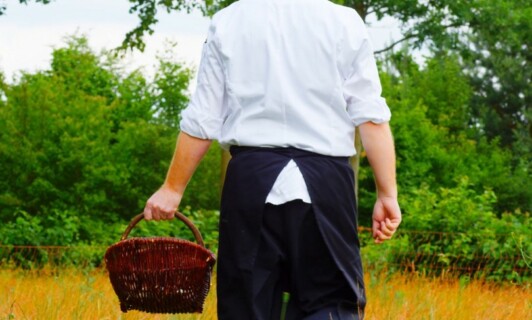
160	274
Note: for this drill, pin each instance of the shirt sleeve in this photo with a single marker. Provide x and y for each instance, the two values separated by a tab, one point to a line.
362	87
203	117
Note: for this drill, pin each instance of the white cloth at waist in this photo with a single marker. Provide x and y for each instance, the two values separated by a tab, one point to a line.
289	186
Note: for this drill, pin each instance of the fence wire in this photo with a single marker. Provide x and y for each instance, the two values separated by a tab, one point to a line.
426	252
497	256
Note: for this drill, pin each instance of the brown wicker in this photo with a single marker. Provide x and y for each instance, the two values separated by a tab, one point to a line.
160	274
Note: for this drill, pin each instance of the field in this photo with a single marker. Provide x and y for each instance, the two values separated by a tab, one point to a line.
72	294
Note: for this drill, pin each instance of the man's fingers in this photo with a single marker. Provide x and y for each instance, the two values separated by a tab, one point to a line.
162	205
389	227
381	237
385	230
154	212
375	228
163	213
168	213
384	236
392	225
147	212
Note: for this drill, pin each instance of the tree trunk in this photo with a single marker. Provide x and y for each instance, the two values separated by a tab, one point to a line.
355	161
360	7
226	156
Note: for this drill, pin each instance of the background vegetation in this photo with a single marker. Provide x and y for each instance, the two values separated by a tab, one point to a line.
83	143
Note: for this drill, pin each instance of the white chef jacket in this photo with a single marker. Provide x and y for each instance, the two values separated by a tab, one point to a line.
286	73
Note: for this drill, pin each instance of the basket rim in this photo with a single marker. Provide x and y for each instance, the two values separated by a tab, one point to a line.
178	215
159	239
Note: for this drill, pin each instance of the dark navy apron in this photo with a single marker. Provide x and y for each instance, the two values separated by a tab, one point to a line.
250	176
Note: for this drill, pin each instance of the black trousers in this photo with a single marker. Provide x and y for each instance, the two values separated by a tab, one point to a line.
293	257
296	247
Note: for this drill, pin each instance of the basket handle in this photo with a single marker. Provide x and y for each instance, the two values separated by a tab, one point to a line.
178	215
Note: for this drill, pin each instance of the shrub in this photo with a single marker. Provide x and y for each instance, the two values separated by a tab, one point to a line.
455	230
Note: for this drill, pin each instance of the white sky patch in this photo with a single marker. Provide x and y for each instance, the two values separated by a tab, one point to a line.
29	33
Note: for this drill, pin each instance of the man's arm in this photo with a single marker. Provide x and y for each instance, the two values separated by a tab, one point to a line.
378	144
188	153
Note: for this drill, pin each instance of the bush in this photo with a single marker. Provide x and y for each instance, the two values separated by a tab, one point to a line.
83	137
455	230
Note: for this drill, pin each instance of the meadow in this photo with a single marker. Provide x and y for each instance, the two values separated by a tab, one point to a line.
84	143
75	294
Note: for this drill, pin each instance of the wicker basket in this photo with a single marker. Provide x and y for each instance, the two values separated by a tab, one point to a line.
160	274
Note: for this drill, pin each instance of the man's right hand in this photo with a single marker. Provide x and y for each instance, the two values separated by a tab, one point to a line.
378	143
386	218
162	205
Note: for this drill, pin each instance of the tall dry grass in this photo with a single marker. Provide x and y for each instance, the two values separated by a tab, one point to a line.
72	294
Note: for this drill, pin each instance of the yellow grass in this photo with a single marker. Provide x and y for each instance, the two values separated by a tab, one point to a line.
72	294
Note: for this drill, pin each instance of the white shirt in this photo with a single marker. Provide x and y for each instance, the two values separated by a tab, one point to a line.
289	186
286	73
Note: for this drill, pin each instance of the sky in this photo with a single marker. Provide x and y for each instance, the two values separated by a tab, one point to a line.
28	33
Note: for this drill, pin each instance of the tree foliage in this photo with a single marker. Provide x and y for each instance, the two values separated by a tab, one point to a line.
85	139
83	143
496	57
3	6
491	37
434	143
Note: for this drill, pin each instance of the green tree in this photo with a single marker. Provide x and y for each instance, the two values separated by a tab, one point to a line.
433	140
496	57
490	36
85	140
3	6
489	42
171	82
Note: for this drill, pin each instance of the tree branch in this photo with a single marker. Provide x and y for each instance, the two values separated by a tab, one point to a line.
410	36
413	35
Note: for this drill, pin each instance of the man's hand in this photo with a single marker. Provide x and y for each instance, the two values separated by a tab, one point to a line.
162	205
378	143
386	218
188	153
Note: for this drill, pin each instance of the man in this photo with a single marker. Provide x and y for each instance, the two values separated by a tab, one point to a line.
283	84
